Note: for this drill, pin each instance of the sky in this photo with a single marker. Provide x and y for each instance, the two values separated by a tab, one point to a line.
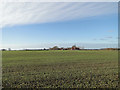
44	25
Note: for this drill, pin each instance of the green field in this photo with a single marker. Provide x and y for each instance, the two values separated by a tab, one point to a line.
75	69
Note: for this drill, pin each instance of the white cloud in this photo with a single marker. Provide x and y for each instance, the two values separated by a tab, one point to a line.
20	13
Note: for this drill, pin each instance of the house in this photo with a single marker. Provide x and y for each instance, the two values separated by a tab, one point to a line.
75	48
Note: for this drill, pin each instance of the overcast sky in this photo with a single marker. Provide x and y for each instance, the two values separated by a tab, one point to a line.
43	25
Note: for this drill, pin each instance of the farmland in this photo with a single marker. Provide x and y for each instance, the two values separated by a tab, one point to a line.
57	68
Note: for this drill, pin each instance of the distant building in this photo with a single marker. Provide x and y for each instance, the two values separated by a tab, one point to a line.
9	49
75	48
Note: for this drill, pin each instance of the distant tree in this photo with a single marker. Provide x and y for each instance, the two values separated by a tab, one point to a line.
55	48
3	49
74	46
